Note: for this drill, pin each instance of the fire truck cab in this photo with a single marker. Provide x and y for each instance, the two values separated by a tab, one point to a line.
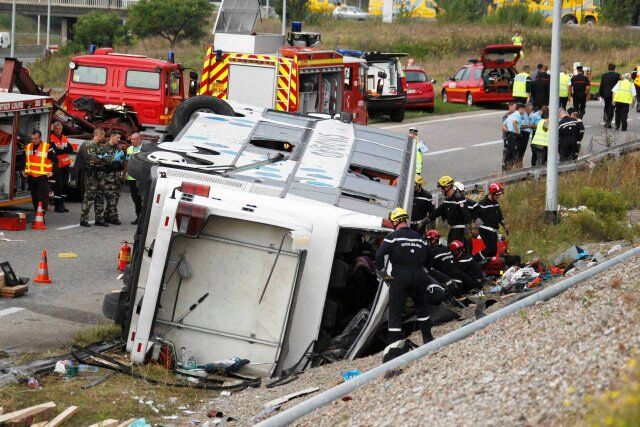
283	73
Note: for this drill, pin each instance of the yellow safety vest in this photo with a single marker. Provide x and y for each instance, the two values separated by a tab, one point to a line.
520	85
624	94
541	137
37	162
637	80
419	162
564	85
131	150
517	40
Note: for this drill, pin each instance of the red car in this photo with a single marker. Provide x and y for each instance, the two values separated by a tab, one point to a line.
420	93
489	79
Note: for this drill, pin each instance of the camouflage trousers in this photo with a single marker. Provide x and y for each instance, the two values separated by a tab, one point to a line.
94	189
112	195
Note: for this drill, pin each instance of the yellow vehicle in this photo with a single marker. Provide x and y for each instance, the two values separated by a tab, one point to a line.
323	6
573	11
424	9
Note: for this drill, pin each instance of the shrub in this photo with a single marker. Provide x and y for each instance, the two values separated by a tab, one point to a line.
603	202
618	12
515	12
99	28
297	10
460	10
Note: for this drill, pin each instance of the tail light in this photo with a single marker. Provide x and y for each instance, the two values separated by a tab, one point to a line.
190	218
195	189
403	84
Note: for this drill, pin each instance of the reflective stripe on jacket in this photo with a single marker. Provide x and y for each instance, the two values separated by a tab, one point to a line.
541	137
63	159
520	85
37	162
624	92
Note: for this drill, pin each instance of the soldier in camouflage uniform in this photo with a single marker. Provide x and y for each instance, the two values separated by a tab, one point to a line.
115	165
94	164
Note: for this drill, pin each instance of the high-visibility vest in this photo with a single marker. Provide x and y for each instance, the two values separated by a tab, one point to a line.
37	162
419	162
517	40
564	85
624	94
637	80
130	151
63	159
520	85
541	137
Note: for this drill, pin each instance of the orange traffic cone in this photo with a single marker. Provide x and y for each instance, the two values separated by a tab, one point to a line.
38	224
43	270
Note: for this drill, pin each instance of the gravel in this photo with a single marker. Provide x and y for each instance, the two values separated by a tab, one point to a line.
534	367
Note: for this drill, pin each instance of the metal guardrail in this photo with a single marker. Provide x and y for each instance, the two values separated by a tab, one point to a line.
89	4
482	184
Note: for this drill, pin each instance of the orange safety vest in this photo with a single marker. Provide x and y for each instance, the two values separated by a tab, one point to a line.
38	163
63	159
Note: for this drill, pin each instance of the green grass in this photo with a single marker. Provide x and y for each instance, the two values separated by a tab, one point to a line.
606	193
95	333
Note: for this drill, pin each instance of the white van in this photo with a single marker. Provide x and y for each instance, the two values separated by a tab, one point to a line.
279	216
5	40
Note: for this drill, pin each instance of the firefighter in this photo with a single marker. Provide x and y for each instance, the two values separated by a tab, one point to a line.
442	267
565	82
471	207
540	140
408	254
422	206
624	96
421	149
453	210
580	133
540	88
522	86
39	162
579	91
136	144
62	148
465	263
490	218
608	81
568	134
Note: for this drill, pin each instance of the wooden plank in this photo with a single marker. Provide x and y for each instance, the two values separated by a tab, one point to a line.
105	423
40	424
62	416
127	423
22	413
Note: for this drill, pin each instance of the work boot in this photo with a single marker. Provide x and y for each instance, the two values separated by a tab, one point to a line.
59	209
85	224
101	224
427	336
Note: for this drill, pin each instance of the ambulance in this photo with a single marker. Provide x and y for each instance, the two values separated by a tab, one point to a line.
278	216
284	73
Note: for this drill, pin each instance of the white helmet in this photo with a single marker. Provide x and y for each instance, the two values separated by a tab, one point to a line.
458	186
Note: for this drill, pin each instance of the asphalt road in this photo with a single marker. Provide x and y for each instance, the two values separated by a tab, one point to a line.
469	145
464	145
25	55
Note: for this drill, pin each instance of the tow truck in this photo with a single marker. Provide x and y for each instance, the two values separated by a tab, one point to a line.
276	213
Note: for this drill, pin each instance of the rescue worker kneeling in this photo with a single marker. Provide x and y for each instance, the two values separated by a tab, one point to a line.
465	263
408	254
442	267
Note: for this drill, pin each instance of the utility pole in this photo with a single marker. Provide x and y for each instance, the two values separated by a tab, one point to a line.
284	17
551	211
48	23
13	28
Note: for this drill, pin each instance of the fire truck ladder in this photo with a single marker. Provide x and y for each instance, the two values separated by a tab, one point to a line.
284	82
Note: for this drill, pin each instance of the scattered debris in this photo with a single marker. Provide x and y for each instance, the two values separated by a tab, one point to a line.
392	373
346	376
30	413
67	255
62	416
99	380
288	397
33	383
347	398
614	249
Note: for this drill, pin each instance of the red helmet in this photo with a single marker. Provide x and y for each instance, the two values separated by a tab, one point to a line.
432	234
496	188
456	245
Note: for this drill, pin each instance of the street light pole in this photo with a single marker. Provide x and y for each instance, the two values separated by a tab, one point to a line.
551	213
48	22
13	28
284	17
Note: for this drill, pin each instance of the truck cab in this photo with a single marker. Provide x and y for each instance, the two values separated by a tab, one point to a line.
278	216
104	84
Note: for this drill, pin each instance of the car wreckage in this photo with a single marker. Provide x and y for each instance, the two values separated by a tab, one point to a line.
271	220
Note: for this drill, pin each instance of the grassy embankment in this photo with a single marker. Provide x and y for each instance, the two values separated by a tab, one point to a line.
440	48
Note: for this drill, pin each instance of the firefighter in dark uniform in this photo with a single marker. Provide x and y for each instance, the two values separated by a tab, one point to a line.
453	210
568	134
490	216
580	89
408	253
465	263
422	206
441	266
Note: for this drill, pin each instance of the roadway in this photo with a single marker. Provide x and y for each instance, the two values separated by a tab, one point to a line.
469	145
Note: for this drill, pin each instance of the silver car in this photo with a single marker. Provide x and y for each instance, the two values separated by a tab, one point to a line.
350	12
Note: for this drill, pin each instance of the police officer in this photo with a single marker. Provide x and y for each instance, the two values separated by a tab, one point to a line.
608	81
511	107
422	206
408	253
136	144
525	134
579	91
39	165
453	209
540	141
624	96
522	86
490	219
115	164
512	125
94	166
565	82
62	148
421	149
